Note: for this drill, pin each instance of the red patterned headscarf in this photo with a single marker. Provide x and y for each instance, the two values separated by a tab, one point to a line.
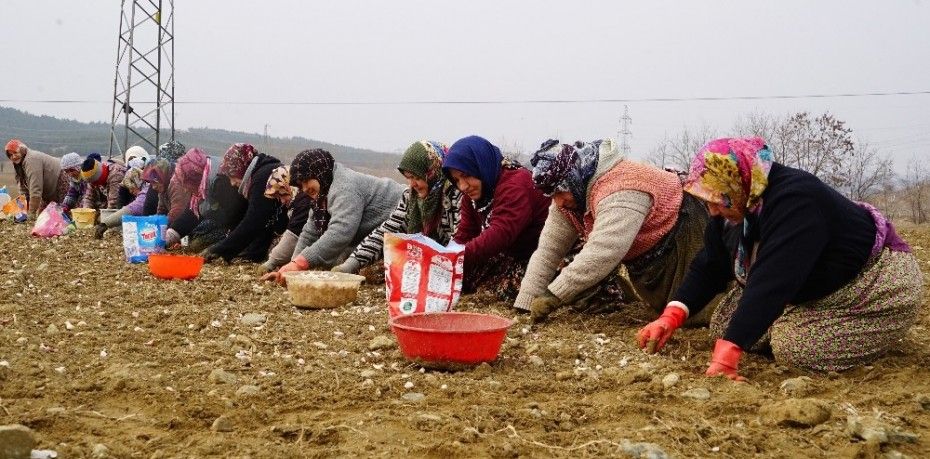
236	160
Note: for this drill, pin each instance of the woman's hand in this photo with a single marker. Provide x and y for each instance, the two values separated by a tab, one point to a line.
725	360
653	336
278	276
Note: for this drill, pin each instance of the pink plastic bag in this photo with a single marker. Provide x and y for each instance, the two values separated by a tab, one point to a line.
51	222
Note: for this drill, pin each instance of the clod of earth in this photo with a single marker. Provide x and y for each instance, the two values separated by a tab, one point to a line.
807	412
16	441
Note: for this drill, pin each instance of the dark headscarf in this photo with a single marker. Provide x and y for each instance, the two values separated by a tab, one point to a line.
315	164
171	151
236	160
477	157
566	168
423	159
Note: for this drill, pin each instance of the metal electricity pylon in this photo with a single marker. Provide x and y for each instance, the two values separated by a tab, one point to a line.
143	89
625	134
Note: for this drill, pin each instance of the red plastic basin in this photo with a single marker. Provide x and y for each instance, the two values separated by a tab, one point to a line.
442	338
166	266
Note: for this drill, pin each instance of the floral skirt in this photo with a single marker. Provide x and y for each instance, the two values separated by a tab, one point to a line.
501	275
205	234
853	326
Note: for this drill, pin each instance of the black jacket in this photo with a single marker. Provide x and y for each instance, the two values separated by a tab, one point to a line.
262	214
811	242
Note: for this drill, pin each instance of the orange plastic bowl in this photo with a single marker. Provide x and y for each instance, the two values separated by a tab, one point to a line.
166	266
456	338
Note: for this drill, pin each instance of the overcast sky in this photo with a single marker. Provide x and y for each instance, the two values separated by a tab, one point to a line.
401	51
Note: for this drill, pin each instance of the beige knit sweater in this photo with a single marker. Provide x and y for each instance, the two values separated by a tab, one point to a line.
619	218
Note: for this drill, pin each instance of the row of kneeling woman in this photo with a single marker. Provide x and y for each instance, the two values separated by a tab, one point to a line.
771	256
774	259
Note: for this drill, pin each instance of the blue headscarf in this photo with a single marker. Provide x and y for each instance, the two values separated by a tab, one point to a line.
477	157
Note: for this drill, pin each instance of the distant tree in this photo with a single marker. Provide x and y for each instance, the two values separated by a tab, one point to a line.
760	124
515	150
817	145
915	187
822	145
864	173
676	152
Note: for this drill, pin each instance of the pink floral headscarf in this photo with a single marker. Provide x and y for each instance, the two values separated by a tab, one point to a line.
732	172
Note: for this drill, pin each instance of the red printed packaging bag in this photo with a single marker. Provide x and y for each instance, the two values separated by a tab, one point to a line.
420	275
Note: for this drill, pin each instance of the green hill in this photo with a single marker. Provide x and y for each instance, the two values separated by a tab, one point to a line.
57	136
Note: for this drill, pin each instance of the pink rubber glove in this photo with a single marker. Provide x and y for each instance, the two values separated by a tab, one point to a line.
652	337
725	360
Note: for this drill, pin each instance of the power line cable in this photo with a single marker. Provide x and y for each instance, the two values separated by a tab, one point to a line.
498	102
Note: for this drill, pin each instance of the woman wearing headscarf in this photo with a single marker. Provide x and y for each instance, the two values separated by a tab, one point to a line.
73	188
825	281
172	197
157	176
134	186
624	212
346	207
430	205
249	171
104	179
298	207
215	205
158	202
38	174
502	214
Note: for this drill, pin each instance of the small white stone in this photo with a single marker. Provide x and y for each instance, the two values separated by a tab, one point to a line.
698	393
670	379
408	385
444	386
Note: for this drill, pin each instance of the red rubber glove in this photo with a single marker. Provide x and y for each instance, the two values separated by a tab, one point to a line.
725	360
652	337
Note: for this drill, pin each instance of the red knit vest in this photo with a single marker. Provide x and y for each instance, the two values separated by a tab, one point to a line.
664	188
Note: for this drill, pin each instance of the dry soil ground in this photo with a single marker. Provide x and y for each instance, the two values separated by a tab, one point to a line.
97	352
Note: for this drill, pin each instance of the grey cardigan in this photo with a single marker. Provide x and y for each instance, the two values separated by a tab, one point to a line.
357	204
